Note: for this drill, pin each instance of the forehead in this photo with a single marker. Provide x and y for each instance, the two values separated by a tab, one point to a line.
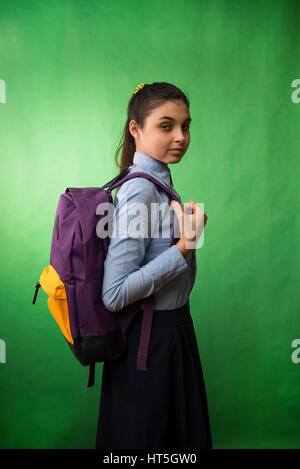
176	109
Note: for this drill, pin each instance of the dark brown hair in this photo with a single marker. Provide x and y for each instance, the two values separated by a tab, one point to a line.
139	107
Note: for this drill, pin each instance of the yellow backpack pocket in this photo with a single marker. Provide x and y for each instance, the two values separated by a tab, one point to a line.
57	301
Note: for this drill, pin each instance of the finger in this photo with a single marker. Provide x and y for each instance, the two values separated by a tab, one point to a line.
176	206
188	208
177	209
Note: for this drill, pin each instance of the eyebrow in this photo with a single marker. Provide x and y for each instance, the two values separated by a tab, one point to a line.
171	118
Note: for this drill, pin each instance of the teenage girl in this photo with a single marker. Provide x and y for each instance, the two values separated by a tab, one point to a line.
165	406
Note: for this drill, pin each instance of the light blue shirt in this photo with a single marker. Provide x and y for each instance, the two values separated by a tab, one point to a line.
137	267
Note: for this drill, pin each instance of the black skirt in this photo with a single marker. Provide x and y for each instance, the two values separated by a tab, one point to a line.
164	407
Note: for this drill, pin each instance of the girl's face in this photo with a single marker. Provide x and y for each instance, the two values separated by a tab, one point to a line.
166	128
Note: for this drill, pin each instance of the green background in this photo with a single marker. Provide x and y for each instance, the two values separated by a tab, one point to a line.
70	68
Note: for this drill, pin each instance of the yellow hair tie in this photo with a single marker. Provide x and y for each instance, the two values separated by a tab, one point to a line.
139	87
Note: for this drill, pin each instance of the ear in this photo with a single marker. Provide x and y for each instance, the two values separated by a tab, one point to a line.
133	128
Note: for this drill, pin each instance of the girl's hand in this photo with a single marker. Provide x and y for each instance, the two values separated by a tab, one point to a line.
191	220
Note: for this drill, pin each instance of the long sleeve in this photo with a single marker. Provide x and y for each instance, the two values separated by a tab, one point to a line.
126	279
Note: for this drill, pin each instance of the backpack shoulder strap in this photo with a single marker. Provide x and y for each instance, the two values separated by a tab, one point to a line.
149	301
117	178
135	174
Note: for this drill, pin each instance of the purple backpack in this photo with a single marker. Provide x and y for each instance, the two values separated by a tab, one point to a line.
73	280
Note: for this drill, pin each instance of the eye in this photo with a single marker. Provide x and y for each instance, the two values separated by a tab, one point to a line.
167	125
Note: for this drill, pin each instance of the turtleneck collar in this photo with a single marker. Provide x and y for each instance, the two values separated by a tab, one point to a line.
155	167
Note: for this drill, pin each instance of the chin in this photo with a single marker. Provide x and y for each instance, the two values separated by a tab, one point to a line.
175	159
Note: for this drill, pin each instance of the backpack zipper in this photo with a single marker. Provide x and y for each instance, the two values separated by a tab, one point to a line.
36	292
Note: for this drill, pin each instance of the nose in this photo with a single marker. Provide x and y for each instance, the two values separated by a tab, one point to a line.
179	138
